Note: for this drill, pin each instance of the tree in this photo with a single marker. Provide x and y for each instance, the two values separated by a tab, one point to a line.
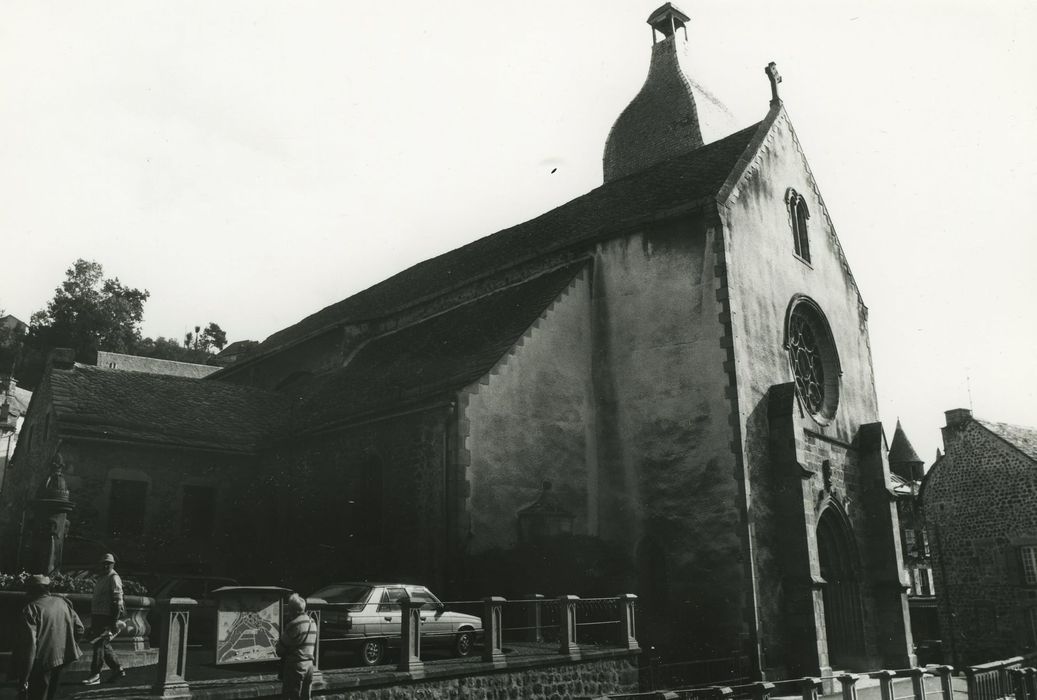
211	340
88	313
170	349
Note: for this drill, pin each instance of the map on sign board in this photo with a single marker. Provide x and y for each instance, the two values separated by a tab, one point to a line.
248	627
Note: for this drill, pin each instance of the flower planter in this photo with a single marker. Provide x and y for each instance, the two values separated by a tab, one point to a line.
135	638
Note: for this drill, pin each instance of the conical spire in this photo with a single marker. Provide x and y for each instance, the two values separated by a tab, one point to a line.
672	114
903	460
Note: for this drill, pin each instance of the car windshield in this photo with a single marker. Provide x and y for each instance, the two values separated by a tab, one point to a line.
344	593
425	597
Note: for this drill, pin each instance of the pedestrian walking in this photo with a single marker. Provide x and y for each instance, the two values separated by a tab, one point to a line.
295	648
106	608
46	641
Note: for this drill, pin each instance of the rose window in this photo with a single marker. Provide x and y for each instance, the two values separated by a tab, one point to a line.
814	362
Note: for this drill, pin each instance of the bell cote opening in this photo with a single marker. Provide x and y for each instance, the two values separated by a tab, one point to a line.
666	21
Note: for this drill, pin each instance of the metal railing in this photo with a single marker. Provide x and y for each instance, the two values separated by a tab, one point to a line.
566	625
1008	679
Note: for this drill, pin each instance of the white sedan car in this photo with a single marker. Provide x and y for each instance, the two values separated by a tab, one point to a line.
367	616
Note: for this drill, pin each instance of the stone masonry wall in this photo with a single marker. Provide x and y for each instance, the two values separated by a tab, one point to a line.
534	680
980	504
580	680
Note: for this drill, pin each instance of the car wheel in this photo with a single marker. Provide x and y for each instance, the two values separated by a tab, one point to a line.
463	643
372	651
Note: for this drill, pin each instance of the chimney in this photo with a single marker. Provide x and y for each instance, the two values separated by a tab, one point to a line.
62	358
957	416
672	114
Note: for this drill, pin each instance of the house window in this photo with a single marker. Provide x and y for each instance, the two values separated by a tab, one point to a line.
1029	558
199	509
798	216
126	507
909	542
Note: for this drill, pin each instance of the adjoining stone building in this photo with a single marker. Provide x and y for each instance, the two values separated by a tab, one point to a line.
664	385
980	501
907	470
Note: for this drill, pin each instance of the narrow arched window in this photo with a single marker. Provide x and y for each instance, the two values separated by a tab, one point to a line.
798	216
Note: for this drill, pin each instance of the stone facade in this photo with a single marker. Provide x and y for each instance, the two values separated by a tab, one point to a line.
980	502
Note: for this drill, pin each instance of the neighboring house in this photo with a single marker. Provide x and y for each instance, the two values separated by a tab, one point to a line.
13	325
980	501
664	386
159	466
136	363
14	402
907	471
232	353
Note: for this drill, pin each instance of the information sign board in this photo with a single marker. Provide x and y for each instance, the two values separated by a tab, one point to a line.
248	623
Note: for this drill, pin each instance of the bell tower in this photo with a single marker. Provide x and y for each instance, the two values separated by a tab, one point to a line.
672	114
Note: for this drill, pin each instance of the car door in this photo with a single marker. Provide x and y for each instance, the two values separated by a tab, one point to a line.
435	629
389	614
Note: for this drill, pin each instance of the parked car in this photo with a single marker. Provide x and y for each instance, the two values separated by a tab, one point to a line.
367	616
201	628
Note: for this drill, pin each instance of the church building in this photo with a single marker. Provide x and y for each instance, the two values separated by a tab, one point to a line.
663	386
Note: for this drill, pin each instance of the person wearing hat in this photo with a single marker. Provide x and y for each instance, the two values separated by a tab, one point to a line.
106	608
46	640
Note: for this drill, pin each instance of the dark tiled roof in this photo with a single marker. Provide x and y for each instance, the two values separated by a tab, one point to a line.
901	451
441	353
601	213
152	365
1022	438
99	402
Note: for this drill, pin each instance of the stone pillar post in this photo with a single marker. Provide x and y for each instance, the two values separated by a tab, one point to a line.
171	681
567	625
885	679
761	690
809	688
50	521
1018	682
849	683
493	633
917	676
534	610
314	607
1031	682
628	621
946	689
410	644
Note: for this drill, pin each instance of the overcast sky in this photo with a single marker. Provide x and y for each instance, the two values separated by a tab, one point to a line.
250	162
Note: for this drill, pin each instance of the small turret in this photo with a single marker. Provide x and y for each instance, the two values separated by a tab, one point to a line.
903	460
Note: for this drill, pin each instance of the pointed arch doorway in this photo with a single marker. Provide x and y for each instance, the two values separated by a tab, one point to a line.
844	620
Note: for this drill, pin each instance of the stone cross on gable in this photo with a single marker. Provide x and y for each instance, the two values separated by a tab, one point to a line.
775	77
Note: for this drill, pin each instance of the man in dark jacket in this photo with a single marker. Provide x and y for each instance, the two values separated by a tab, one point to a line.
47	641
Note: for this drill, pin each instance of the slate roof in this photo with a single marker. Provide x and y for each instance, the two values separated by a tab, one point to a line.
600	214
17	399
108	403
439	354
901	451
1022	438
152	365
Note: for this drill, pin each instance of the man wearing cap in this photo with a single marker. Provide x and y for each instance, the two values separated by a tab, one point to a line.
46	641
105	610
